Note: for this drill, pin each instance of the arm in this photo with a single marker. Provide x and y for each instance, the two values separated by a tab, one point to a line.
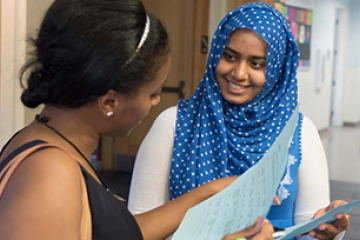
313	192
149	185
163	221
42	199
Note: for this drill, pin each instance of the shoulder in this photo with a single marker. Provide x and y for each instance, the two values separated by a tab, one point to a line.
166	119
311	145
49	176
168	115
308	128
46	187
50	170
53	163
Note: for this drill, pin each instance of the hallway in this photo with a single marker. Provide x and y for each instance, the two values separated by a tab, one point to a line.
342	147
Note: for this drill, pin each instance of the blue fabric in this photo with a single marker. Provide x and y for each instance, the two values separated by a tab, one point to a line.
283	216
215	139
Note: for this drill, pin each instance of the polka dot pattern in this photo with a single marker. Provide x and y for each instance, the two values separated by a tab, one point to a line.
214	138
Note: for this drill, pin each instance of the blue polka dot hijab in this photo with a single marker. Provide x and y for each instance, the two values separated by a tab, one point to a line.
215	138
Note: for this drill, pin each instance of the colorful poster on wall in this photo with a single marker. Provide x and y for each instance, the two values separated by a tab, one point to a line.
300	20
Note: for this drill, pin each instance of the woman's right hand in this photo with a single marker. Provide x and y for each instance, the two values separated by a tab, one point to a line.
261	230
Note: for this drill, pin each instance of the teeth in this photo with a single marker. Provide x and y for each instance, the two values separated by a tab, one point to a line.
235	86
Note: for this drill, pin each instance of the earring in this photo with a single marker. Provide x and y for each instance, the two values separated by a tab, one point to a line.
109	114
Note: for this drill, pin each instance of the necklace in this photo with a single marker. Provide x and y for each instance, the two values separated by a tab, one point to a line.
45	120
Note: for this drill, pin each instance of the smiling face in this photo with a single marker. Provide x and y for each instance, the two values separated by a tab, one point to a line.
240	73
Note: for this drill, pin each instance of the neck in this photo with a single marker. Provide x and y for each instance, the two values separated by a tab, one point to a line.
75	125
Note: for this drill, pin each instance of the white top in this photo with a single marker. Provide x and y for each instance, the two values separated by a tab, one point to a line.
150	182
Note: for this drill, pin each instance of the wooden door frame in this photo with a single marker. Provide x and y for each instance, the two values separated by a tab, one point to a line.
201	29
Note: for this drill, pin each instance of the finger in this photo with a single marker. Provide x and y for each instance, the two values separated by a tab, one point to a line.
340	215
266	232
329	229
277	200
319	234
331	206
342	222
252	230
335	204
325	231
320	212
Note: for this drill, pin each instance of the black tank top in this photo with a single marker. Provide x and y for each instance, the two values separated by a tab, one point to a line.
110	218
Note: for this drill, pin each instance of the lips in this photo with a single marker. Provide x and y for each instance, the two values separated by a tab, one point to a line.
236	89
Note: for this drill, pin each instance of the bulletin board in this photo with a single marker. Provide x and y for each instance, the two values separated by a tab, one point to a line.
300	21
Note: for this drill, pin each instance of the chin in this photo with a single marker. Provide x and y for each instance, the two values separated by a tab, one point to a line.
236	101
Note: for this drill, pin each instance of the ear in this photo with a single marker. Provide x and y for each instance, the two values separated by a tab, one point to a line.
110	103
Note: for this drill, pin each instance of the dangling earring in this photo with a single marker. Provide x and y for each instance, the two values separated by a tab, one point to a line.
109	114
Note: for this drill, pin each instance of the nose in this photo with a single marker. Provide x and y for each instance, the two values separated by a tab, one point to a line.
239	71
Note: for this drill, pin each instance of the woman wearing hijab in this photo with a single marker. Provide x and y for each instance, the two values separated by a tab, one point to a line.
241	105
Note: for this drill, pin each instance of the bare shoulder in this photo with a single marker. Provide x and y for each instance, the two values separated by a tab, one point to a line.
45	188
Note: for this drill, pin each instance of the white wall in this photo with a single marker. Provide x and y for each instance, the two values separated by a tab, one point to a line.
18	19
316	102
13	32
352	75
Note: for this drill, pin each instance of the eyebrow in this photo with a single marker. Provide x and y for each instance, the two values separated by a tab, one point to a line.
254	57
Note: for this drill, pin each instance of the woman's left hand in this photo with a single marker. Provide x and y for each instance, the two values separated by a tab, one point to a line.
327	231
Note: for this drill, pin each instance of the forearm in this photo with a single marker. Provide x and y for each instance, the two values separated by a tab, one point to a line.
163	221
313	192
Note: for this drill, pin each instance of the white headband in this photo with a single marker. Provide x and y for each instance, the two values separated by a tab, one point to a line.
144	35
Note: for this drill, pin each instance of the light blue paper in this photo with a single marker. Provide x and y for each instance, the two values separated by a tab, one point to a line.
248	197
310	225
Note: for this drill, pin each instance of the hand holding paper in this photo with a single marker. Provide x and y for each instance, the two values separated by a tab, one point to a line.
327	217
327	231
262	230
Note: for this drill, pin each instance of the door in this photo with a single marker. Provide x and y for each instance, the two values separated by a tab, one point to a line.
338	74
186	22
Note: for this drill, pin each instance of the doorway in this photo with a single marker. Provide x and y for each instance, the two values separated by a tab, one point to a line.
338	66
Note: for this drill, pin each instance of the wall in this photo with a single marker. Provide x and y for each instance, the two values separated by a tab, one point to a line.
316	104
13	32
18	18
352	72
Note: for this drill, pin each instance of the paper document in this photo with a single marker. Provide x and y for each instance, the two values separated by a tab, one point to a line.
248	197
327	217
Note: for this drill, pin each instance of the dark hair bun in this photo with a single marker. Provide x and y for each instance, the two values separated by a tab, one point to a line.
37	91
